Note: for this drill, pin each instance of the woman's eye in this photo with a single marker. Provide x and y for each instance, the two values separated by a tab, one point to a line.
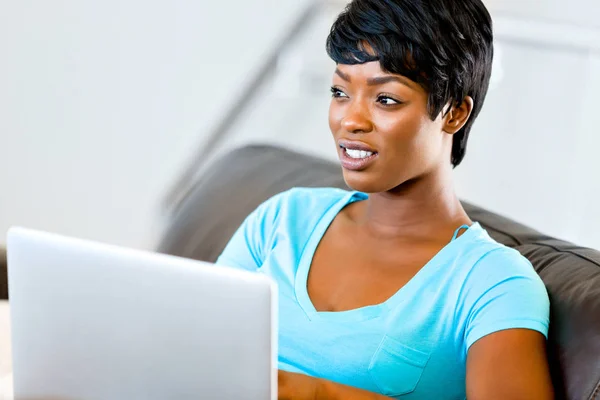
387	101
337	93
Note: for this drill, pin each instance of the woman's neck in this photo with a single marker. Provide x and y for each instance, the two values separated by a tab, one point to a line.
424	207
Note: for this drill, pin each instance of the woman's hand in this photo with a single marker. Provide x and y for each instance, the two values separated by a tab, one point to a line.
294	386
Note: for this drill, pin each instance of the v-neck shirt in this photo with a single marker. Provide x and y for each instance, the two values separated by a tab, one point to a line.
414	344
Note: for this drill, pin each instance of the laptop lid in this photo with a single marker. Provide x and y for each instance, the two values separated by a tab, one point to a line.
94	321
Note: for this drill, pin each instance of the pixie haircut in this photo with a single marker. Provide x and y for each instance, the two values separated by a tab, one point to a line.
446	46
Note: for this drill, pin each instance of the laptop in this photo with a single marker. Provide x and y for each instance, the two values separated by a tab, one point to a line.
93	321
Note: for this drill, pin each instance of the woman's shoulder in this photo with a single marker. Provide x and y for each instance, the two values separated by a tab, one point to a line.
502	290
503	271
306	199
486	264
497	259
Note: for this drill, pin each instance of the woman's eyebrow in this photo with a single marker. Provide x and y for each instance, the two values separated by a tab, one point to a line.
342	75
380	80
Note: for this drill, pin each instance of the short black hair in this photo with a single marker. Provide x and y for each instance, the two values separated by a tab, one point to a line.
444	45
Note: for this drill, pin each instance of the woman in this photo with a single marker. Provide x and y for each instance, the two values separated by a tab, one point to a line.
390	290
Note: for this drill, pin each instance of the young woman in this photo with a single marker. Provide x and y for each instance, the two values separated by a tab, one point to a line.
390	290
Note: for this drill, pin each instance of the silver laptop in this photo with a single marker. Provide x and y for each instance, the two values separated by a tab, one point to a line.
93	321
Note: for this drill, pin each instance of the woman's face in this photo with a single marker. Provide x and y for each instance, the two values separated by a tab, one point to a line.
381	125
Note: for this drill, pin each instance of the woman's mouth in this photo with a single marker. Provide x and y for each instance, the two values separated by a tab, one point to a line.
355	156
358	154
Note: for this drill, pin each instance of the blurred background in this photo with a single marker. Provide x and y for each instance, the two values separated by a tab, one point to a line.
109	110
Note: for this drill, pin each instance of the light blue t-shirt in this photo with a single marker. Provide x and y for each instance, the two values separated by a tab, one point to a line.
412	346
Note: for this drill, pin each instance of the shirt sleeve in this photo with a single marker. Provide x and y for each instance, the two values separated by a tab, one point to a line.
504	292
249	244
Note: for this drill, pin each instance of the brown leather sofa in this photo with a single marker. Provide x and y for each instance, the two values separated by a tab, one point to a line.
238	182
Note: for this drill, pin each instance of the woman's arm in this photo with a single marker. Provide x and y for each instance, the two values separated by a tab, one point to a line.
505	365
294	386
506	310
509	365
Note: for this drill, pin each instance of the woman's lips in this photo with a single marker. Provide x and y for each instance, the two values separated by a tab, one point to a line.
356	164
355	145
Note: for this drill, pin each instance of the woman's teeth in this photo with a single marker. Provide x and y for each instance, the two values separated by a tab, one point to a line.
358	153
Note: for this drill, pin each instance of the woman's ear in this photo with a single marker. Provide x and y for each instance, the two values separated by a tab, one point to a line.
458	116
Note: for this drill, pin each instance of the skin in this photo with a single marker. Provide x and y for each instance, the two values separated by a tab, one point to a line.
410	215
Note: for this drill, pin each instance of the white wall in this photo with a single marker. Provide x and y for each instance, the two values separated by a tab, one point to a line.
534	150
103	102
574	12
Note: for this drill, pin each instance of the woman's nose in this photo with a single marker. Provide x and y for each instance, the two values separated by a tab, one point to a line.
357	119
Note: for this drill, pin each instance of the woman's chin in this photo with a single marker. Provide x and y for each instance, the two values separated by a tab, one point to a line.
363	182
